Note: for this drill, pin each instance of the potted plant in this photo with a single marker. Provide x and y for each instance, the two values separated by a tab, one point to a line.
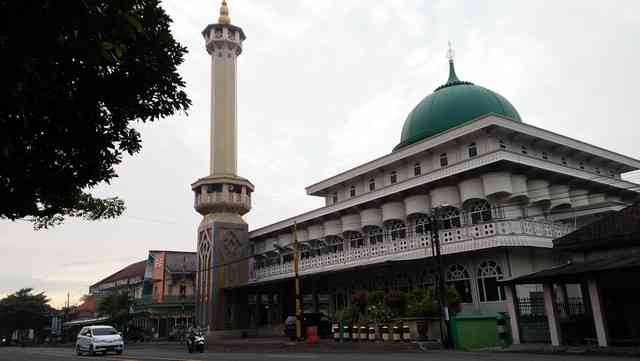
421	305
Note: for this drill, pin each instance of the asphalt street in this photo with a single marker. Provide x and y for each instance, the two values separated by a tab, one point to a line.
151	353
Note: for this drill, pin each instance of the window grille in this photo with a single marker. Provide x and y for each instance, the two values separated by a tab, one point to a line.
372	184
458	277
450	218
473	150
443	160
489	273
393	177
396	230
352	191
416	169
479	211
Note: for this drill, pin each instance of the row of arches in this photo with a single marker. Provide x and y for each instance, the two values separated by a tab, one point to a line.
472	201
484	275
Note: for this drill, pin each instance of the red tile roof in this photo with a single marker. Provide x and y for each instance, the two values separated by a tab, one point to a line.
132	270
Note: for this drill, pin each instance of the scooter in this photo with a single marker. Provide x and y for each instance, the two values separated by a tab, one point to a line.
195	343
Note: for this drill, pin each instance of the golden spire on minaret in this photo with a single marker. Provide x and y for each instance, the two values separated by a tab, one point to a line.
224	14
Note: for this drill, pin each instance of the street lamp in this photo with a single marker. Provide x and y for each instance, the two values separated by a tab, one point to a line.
435	241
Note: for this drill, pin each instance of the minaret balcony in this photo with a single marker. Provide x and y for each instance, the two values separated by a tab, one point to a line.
222	195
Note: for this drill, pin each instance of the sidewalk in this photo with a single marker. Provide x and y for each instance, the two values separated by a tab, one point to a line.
533	348
281	344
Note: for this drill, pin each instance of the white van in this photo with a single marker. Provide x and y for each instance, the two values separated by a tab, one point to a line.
99	339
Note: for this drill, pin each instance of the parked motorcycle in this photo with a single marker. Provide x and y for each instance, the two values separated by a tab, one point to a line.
195	342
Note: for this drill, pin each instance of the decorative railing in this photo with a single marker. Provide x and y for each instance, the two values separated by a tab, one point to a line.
461	239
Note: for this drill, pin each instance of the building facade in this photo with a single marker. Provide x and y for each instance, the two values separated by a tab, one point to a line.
161	290
166	306
587	298
127	280
498	190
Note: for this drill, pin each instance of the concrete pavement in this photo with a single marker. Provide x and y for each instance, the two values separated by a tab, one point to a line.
151	353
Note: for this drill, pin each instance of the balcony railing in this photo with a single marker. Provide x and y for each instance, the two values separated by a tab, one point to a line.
412	246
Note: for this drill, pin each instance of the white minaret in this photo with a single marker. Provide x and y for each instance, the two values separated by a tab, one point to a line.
222	197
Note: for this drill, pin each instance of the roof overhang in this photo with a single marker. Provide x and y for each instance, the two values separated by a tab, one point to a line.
624	163
574	271
436	175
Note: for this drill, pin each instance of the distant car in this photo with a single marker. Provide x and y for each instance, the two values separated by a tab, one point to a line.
99	339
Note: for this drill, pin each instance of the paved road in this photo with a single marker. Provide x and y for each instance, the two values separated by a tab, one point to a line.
158	354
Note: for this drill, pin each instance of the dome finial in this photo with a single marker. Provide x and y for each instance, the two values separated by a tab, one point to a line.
453	78
224	14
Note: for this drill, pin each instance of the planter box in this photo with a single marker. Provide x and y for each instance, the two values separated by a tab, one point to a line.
433	326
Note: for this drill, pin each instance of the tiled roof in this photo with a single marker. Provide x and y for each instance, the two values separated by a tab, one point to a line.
616	230
132	270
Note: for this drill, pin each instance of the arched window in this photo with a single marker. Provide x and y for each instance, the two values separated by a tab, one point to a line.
374	235
443	160
417	170
422	225
372	184
396	230
355	239
545	156
394	177
479	211
524	150
502	145
563	160
450	218
473	150
352	191
458	277
489	273
333	244
581	165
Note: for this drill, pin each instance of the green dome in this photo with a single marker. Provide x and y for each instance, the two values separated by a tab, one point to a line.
450	105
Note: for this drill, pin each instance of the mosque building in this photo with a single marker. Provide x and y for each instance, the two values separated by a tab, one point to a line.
500	189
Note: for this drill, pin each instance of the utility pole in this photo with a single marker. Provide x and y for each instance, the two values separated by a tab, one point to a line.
442	296
296	260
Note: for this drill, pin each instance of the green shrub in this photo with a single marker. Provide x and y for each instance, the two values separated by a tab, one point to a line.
421	303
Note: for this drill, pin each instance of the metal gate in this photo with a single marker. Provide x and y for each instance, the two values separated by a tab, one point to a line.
534	326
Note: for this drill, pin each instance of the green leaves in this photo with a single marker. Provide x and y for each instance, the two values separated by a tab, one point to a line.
79	75
23	310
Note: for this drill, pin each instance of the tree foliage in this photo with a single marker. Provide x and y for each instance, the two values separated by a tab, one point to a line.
79	74
23	310
116	307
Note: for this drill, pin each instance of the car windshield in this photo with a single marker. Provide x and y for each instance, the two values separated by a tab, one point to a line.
104	331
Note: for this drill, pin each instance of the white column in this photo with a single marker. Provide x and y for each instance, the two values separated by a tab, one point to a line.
510	292
598	313
552	315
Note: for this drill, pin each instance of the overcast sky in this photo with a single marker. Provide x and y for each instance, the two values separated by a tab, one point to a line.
325	85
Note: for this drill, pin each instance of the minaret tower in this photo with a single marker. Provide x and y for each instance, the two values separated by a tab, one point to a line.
222	197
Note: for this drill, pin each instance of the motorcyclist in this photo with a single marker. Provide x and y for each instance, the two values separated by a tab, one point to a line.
192	337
